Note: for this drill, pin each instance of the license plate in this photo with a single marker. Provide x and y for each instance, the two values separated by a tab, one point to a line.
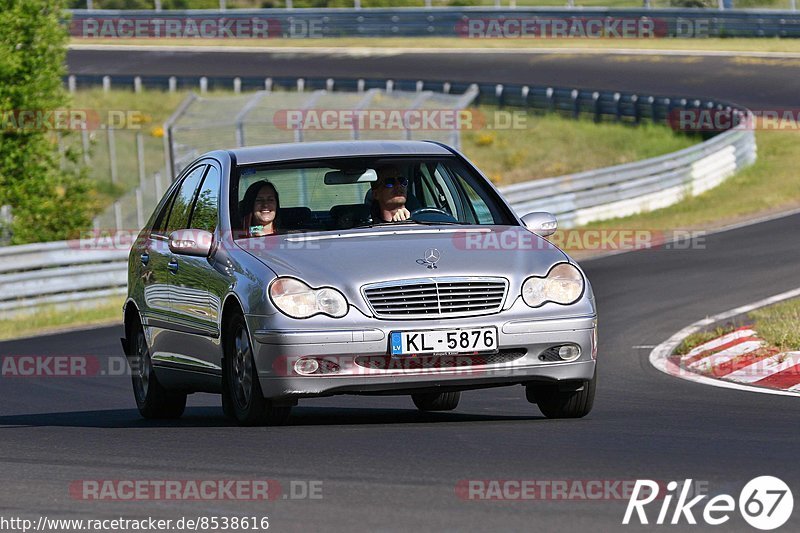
443	341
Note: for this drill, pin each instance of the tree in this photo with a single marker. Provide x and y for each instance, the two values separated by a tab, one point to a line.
47	202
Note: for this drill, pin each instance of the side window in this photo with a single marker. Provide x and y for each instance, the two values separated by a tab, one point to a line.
480	209
206	207
161	218
184	199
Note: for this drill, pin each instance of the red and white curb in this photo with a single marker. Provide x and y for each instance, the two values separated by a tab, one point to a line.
741	356
738	360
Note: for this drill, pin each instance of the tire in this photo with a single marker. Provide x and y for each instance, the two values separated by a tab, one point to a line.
433	401
242	398
152	399
554	403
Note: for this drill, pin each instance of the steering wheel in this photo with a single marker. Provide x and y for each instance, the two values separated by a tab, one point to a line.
439	215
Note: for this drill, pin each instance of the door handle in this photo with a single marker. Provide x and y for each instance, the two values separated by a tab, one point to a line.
145	258
173	266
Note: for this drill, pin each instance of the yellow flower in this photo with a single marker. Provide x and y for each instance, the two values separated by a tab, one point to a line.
158	131
485	139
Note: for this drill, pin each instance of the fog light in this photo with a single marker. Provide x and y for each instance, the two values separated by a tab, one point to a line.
306	366
569	352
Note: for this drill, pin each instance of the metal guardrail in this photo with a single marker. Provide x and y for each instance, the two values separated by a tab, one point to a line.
63	274
67	273
431	22
641	186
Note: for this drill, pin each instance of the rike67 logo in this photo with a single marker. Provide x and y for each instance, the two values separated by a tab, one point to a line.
765	503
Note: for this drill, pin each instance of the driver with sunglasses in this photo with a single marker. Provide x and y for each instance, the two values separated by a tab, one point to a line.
389	193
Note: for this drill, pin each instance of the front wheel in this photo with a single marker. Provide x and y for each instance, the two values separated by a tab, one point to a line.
152	399
242	398
444	401
556	403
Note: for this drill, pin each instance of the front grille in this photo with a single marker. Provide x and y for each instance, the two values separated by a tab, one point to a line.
387	362
428	297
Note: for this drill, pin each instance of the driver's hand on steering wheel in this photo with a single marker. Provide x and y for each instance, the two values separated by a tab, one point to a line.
401	214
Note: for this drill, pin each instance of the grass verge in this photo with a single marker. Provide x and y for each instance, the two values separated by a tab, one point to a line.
709	44
771	185
546	146
779	324
50	319
701	337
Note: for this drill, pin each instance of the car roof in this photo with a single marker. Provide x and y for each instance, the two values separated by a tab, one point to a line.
318	150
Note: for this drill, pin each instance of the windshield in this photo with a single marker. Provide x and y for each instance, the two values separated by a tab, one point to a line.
338	194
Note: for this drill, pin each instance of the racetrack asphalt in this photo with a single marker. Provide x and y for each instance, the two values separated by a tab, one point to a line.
756	82
385	466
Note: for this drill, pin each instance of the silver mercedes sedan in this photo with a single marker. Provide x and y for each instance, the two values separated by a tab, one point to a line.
275	273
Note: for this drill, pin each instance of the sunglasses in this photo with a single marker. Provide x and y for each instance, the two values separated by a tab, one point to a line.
390	182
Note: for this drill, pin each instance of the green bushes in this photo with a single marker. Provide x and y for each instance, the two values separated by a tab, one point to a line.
48	192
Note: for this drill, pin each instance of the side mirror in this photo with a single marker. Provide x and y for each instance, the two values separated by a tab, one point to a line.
191	242
541	223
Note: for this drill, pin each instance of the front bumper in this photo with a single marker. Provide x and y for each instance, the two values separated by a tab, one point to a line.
364	367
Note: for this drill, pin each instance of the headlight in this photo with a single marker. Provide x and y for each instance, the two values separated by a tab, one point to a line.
298	300
562	285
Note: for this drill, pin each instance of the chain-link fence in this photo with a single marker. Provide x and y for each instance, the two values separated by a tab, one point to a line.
267	117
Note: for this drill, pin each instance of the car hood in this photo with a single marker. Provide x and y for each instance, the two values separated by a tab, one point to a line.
354	258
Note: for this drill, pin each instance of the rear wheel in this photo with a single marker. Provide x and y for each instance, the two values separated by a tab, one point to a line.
555	402
433	401
153	400
242	398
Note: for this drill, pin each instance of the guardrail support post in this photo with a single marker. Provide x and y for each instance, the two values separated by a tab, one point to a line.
117	216
637	112
137	84
268	84
389	86
301	85
237	85
159	188
112	154
85	145
329	84
140	157
420	85
106	83
525	92
498	93
71	84
203	85
446	88
360	86
596	99
139	209
617	107
576	106
173	84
